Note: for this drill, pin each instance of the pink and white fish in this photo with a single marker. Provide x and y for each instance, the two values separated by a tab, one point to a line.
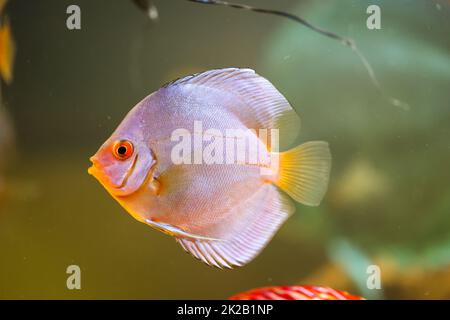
222	213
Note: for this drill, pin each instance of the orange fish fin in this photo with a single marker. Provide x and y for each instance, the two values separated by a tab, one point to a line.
304	172
262	105
245	231
7	52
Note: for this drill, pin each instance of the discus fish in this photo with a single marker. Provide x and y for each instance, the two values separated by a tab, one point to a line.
295	293
7	51
223	213
7	47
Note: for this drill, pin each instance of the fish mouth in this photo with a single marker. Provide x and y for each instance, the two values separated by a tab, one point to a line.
96	172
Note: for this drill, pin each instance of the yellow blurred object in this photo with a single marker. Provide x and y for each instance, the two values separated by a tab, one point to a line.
360	182
7	51
397	281
414	281
2	5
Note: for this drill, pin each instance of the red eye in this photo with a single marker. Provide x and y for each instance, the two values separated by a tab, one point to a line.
123	149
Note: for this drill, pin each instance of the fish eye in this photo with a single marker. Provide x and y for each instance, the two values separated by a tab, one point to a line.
123	149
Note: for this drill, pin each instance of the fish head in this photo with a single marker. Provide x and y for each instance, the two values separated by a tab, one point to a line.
123	164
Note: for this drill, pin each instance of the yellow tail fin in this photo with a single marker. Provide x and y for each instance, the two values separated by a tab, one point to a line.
304	172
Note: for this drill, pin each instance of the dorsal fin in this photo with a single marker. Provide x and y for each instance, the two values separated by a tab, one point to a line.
266	108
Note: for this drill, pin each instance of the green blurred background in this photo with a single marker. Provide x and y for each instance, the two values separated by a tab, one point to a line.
389	197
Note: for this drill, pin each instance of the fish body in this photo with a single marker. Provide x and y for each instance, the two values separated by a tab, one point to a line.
222	209
295	293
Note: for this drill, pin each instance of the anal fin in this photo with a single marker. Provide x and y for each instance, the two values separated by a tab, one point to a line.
175	231
246	231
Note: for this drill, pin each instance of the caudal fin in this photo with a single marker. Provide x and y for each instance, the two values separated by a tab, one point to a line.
304	172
